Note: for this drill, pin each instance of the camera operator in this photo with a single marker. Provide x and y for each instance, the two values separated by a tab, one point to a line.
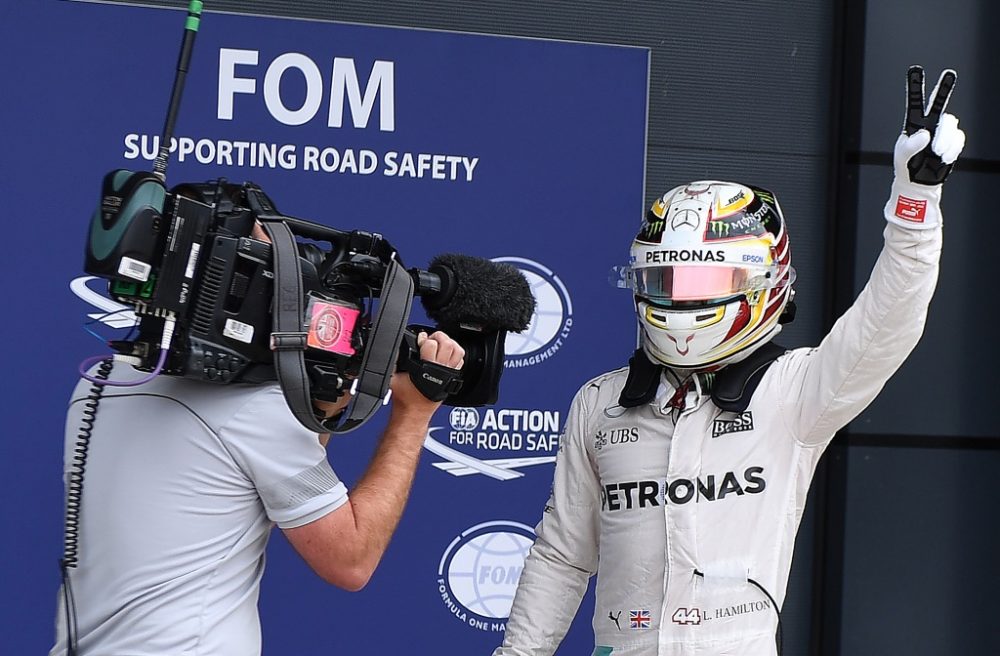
184	483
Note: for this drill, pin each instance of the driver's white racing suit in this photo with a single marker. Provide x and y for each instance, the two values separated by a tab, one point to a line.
694	512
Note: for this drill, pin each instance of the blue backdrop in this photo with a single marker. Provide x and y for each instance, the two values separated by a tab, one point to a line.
529	151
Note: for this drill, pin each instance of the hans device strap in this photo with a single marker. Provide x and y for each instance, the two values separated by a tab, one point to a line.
289	339
643	378
735	384
732	390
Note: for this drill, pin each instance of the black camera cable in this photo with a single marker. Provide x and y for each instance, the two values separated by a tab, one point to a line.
74	500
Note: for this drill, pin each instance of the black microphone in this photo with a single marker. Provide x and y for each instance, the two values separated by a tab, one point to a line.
473	290
477	302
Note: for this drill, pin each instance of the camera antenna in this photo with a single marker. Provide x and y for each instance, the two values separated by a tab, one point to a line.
183	60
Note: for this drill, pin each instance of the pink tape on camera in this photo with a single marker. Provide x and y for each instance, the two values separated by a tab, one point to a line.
331	327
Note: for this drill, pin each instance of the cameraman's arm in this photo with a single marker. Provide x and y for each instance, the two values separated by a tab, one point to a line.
345	546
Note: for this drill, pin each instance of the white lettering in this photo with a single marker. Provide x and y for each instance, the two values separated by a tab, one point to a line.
229	84
131	146
369	162
185	146
286	157
344	86
390	163
381	82
226	153
205	151
272	88
470	165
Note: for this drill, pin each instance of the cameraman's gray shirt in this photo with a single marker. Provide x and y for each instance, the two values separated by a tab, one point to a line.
184	482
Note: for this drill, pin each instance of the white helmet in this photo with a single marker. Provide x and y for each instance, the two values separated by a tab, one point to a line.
711	273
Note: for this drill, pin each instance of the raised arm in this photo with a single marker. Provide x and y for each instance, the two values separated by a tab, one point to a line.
833	383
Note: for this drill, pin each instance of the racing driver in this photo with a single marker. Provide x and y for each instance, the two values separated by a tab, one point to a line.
681	479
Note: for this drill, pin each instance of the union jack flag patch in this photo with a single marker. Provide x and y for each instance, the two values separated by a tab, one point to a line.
638	619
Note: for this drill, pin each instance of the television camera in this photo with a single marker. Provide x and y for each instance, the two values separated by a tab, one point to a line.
226	293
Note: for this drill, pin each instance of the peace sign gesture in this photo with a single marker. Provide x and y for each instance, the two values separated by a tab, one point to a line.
916	118
931	140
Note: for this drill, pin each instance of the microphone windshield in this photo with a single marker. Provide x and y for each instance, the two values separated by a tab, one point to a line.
474	290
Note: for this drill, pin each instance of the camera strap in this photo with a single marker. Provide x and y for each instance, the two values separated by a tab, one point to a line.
288	338
379	361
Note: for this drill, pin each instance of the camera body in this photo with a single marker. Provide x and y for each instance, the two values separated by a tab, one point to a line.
188	257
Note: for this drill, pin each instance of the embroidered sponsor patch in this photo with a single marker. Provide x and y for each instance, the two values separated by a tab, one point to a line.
739	423
616	436
911	209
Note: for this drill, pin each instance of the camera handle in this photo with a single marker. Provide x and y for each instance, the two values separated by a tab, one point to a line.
433	380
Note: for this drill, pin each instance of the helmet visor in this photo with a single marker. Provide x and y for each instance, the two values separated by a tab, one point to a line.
700	282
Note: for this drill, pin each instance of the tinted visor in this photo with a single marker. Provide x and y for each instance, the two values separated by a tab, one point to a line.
701	282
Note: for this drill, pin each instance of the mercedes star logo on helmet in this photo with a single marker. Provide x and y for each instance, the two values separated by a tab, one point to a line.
685	218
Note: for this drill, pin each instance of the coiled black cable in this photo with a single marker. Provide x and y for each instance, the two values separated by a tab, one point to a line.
74	501
779	636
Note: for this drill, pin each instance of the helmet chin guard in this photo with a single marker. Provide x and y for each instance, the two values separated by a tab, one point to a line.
691	350
711	273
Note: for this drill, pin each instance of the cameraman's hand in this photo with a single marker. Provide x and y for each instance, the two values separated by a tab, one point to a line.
407	401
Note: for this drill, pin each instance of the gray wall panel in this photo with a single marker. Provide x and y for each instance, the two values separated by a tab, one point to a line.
948	385
922	538
959	34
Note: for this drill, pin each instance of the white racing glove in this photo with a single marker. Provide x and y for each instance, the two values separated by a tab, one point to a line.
924	154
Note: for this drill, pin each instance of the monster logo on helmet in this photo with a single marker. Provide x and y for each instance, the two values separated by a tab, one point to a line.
711	312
